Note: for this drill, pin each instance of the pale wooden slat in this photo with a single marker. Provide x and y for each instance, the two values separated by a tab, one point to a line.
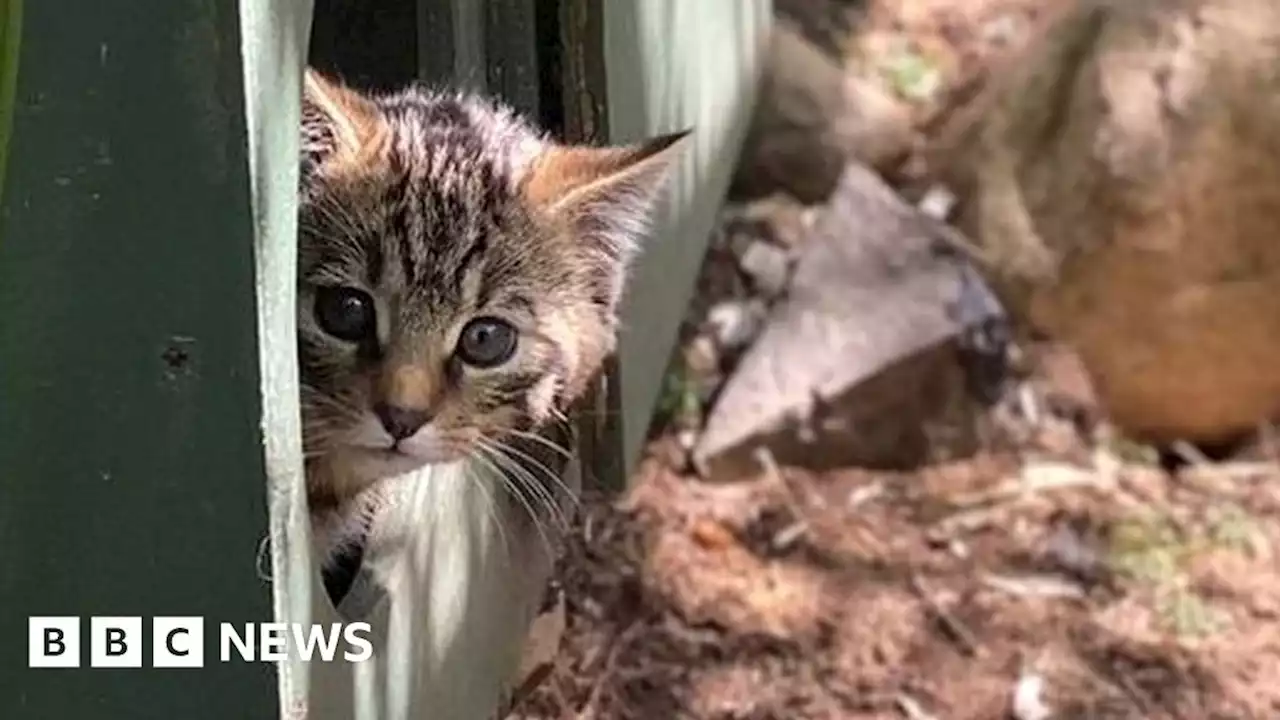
674	64
274	38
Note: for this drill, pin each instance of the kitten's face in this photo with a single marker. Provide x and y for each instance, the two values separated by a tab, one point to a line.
458	275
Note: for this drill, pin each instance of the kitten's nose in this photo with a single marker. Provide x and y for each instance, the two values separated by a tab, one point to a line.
401	422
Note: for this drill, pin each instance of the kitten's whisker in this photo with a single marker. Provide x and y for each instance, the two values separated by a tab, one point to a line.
528	480
559	517
494	512
589	478
326	420
314	438
484	455
559	420
323	421
551	475
314	394
506	483
560	449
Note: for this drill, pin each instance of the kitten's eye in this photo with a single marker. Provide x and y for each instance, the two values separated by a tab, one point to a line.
345	313
486	342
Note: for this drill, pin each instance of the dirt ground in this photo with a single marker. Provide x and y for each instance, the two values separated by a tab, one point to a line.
1059	573
995	587
1062	573
1066	574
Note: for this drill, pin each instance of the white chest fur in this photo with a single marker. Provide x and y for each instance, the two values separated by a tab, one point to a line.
454	571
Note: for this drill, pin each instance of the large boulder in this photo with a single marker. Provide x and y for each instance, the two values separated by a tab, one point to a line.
1123	186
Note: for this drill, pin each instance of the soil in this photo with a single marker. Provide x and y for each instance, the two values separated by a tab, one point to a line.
1059	573
1131	593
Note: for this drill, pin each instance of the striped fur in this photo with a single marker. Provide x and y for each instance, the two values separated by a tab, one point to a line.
442	208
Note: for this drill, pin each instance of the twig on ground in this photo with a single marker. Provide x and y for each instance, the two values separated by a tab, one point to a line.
1190	454
1269	441
787	537
1236	471
979	509
1037	477
864	494
966	521
791	534
912	709
1042	586
623	639
1127	687
1136	695
957	630
1031	406
769	464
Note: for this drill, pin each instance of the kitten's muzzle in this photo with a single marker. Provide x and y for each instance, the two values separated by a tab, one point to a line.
401	422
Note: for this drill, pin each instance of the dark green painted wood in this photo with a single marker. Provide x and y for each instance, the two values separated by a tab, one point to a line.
468	50
386	44
581	71
130	447
434	40
578	65
371	44
511	53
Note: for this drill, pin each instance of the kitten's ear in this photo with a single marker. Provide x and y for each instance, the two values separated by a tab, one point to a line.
335	120
606	195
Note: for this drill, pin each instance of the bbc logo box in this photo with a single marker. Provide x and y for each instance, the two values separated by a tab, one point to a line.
53	642
179	642
115	642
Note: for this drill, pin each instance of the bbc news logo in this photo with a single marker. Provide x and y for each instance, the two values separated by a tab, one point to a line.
179	642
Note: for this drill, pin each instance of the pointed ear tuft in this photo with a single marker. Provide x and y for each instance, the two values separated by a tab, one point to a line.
605	198
605	194
336	120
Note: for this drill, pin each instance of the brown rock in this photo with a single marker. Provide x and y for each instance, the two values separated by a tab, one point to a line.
811	118
1123	185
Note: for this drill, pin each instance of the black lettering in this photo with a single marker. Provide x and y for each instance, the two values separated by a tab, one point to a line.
115	642
53	637
168	642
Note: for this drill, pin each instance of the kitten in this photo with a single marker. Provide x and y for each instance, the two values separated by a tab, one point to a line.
459	279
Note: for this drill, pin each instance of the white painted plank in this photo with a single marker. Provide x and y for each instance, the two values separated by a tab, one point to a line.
274	47
671	65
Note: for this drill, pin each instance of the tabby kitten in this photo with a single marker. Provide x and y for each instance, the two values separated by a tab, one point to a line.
459	278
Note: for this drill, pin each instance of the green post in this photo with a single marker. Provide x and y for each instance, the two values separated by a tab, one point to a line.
130	445
10	42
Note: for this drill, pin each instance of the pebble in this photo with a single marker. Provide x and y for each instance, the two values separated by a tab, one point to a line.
687	438
701	356
1002	30
768	266
735	323
938	203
